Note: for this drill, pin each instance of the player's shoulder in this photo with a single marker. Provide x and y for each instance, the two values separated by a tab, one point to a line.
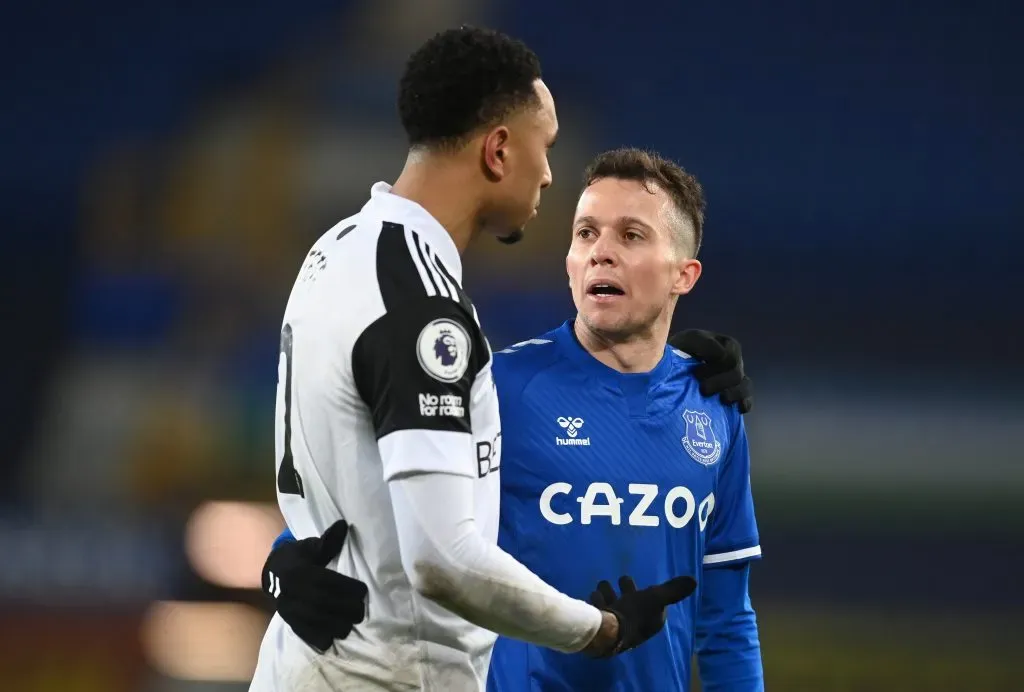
517	364
683	363
374	256
344	252
375	238
684	378
528	354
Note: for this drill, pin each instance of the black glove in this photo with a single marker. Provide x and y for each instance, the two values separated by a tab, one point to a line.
319	604
641	614
722	371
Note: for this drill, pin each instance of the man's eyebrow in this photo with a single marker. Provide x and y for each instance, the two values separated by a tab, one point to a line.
621	221
633	221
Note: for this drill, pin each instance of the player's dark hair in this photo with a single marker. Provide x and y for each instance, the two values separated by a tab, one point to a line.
462	80
649	168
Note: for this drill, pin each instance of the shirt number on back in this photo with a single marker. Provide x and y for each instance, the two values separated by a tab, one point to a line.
288	480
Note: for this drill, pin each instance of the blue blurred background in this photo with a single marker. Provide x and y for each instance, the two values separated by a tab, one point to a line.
168	166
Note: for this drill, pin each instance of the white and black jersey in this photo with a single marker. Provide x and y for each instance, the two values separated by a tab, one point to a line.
383	373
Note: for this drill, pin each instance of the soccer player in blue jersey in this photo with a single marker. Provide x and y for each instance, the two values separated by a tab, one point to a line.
613	462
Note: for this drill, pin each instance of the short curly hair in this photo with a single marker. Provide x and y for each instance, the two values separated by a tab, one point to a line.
461	80
647	168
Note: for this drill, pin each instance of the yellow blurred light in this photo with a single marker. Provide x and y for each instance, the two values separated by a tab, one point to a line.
227	542
203	641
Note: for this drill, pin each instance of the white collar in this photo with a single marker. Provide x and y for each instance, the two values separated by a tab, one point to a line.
421	221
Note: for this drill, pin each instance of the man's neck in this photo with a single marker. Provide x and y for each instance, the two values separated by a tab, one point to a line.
429	180
639	352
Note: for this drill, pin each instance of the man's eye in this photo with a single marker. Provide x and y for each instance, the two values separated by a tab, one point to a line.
584	232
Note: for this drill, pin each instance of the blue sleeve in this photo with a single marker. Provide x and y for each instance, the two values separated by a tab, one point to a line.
285	537
733	537
728	649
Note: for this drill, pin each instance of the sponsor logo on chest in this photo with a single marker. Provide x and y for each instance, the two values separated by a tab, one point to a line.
570	434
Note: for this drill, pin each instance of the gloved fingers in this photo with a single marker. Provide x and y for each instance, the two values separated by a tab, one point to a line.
317	630
334	594
732	348
331	542
743	390
711	384
322	620
313	620
328	582
743	393
675	590
700	344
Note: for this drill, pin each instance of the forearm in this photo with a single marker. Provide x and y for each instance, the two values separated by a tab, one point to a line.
449	562
728	648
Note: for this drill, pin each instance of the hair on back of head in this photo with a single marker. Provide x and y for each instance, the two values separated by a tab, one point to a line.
461	80
649	168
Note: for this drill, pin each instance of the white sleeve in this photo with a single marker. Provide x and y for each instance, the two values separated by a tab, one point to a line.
449	562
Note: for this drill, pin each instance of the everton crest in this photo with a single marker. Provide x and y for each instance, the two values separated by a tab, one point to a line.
700	441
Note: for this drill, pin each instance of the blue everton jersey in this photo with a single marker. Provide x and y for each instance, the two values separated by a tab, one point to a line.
605	474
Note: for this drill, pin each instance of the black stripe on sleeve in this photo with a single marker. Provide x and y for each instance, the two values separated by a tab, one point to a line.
425	263
464	300
397	276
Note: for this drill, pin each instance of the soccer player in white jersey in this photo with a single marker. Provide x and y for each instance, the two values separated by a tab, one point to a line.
387	414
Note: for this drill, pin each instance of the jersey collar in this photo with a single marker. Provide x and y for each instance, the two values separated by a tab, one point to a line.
411	214
626	381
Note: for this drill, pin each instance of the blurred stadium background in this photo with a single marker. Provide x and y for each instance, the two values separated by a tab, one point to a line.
168	165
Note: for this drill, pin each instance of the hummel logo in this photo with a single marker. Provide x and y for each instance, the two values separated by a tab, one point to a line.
572	425
572	429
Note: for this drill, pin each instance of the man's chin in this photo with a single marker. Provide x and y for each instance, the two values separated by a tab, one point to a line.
605	324
511	238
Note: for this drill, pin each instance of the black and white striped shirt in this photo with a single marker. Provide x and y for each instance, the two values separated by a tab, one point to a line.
384	372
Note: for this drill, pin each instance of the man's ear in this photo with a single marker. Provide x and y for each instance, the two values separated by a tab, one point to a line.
689	271
495	151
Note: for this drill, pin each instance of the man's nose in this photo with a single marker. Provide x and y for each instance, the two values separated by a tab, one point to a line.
545	180
603	251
